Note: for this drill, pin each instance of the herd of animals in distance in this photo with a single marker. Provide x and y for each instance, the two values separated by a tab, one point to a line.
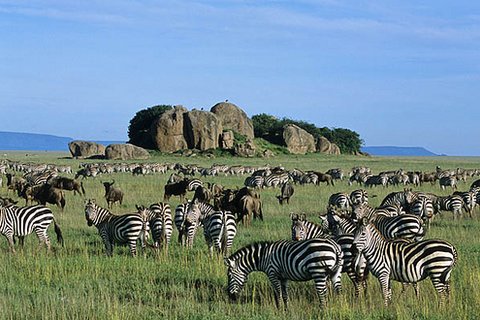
352	238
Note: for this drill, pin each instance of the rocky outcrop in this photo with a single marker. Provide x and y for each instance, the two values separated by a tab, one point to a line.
233	118
168	131
86	149
203	129
327	147
227	140
297	140
247	149
125	152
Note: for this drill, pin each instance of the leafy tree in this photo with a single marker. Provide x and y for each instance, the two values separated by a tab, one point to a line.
268	127
139	129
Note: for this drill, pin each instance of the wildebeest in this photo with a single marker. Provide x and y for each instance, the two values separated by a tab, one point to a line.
202	194
323	177
67	184
286	192
44	194
176	189
112	194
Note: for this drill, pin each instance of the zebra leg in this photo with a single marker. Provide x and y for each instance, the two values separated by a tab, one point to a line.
11	242
385	285
133	248
276	284
284	286
43	238
108	247
321	287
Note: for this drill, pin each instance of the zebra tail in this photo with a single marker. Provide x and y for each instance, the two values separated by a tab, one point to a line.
83	189
58	232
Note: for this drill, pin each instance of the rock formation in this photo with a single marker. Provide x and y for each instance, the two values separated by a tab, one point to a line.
85	149
297	140
125	152
203	130
233	118
168	131
327	147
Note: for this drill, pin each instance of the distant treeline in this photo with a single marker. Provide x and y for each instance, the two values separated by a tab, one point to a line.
270	128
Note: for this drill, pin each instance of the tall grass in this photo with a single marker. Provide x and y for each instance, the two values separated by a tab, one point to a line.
80	282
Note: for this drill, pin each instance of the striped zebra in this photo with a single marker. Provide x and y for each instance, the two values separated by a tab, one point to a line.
358	197
37	178
179	219
125	229
159	218
453	203
193	184
404	261
219	227
377	180
407	226
424	208
303	229
366	211
317	259
449	181
340	200
256	182
22	221
274	180
469	200
403	198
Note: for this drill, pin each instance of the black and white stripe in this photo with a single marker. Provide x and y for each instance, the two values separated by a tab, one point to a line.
159	219
125	229
404	261
340	200
219	229
22	221
317	259
424	208
359	197
453	203
179	219
302	229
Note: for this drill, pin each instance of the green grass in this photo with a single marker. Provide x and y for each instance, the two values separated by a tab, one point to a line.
80	282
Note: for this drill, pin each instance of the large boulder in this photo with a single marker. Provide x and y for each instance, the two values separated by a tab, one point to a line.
327	147
168	130
233	118
125	152
227	140
297	140
86	149
247	149
203	130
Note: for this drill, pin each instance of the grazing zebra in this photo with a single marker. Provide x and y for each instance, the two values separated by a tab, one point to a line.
179	219
303	229
219	230
22	221
377	180
193	218
284	260
159	218
469	200
193	184
453	203
403	198
404	261
36	178
366	211
125	229
358	197
274	180
450	181
340	200
407	226
256	182
423	207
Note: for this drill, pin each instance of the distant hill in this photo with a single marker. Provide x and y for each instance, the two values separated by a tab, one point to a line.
398	151
37	142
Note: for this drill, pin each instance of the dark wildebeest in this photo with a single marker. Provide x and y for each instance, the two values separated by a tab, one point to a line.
176	189
202	194
44	194
67	184
323	177
286	192
112	194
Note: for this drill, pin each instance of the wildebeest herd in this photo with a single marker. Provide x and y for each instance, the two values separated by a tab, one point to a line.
351	237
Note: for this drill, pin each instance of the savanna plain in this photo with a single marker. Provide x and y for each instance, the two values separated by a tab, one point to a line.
78	281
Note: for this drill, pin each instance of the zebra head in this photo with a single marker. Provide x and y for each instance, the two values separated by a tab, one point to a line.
90	211
236	278
361	236
299	231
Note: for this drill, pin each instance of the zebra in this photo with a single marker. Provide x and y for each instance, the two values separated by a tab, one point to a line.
125	229
159	218
358	197
407	226
403	198
340	200
179	219
193	184
284	260
219	230
453	203
424	208
449	181
22	221
256	182
370	213
404	261
37	178
303	229
377	180
469	200
274	180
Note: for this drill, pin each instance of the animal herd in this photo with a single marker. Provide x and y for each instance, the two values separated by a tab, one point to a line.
352	237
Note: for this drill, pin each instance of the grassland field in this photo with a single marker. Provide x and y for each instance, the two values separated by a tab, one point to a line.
79	282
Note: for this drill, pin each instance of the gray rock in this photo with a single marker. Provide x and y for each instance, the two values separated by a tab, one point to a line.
233	118
125	152
85	149
297	140
168	130
203	130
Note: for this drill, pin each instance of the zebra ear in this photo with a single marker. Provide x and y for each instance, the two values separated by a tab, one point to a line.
293	216
303	217
229	263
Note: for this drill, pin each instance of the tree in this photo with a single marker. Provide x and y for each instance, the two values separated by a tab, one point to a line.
139	129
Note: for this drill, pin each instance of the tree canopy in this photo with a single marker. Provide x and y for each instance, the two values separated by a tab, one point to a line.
270	128
139	129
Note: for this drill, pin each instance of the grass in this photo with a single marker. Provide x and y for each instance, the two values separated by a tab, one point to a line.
80	282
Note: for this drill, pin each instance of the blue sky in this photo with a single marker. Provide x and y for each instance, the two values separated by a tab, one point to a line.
404	73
